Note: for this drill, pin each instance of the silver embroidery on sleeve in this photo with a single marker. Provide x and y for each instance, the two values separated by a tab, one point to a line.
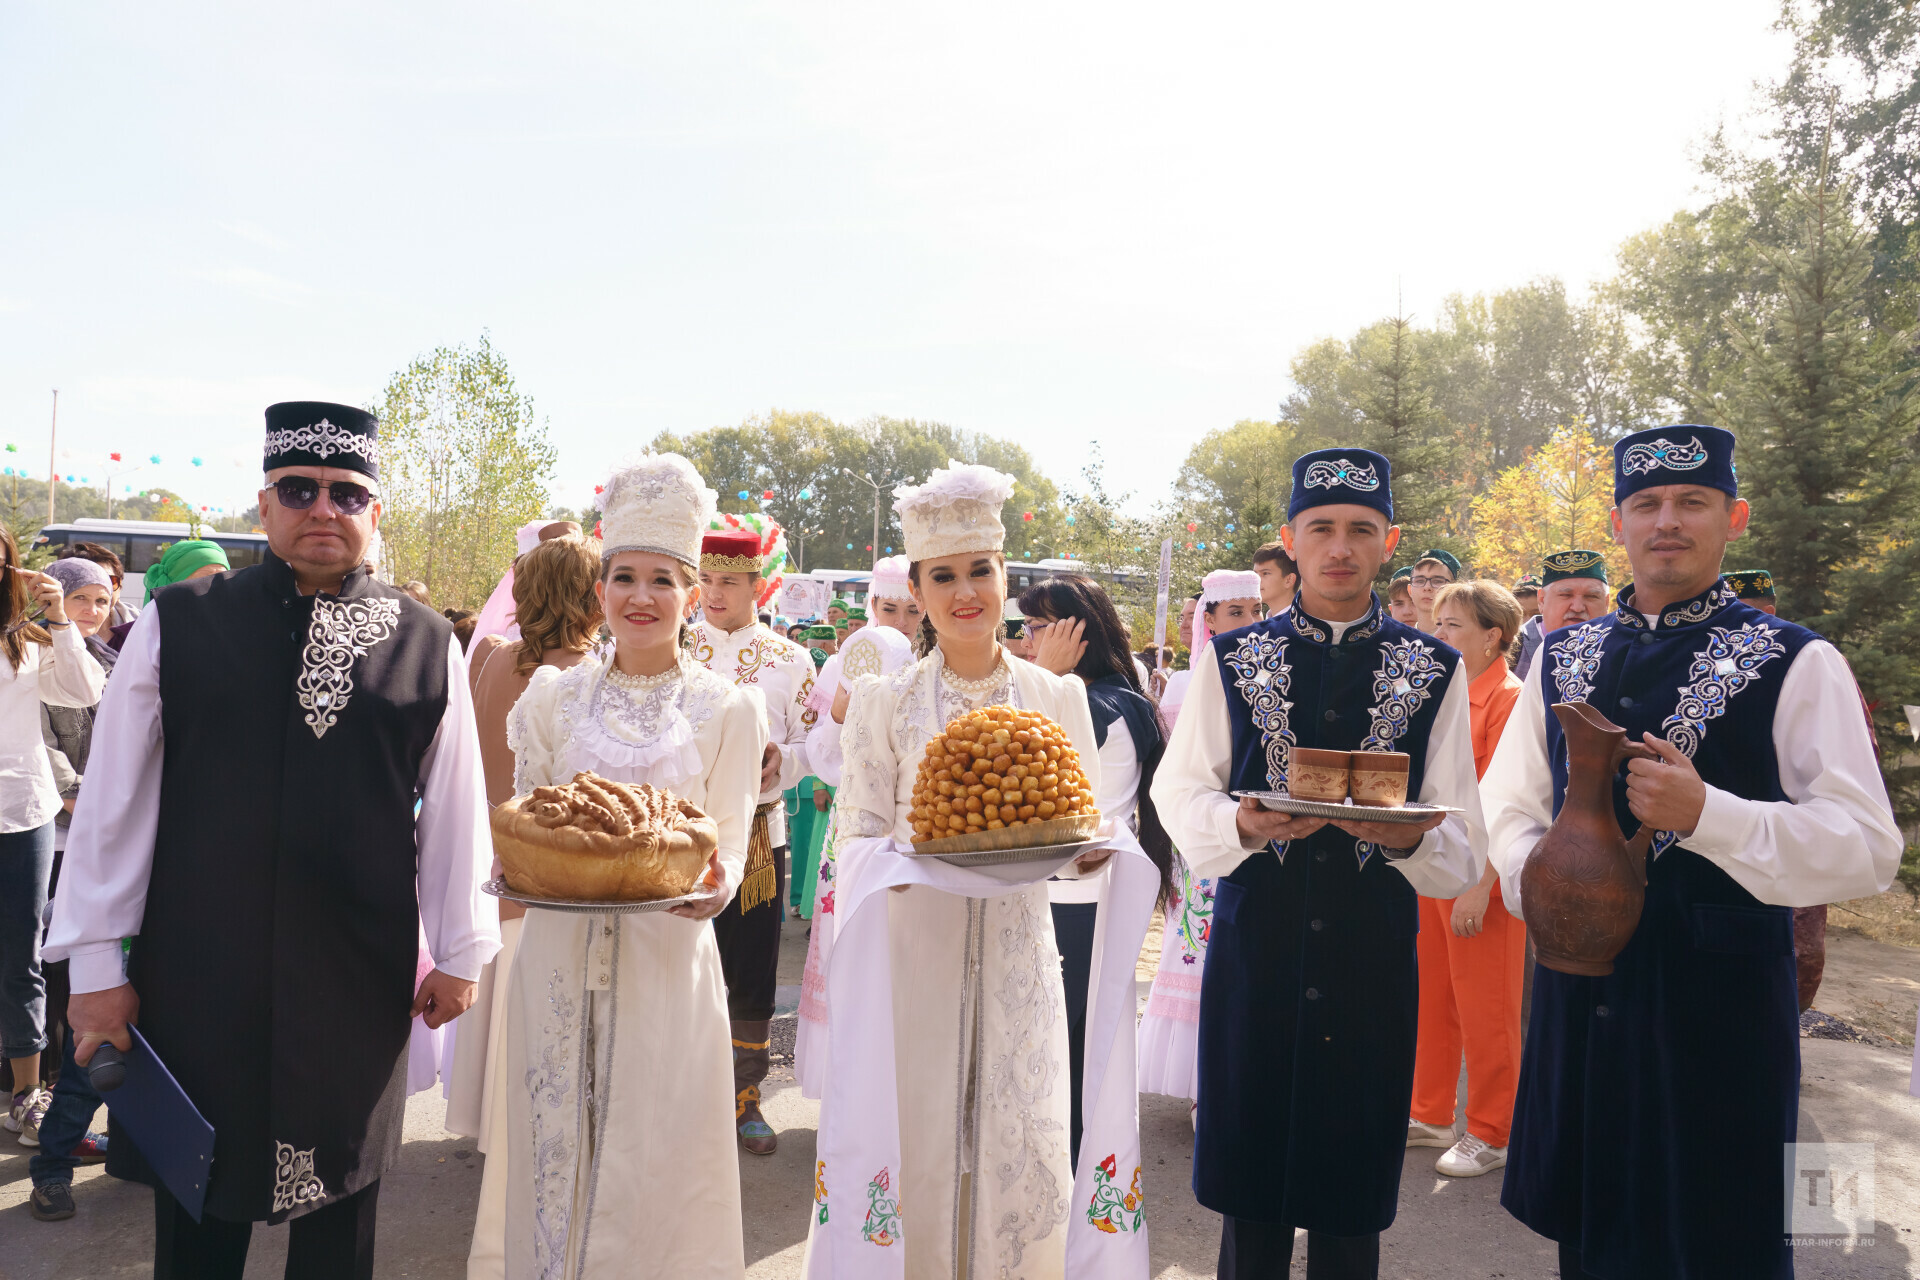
341	633
1027	1141
294	1181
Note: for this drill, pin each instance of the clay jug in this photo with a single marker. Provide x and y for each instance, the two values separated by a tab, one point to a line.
1584	884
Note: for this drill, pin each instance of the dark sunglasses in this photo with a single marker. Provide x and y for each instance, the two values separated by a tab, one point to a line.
297	493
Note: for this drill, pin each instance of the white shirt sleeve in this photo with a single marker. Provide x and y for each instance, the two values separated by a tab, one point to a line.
1119	776
69	675
454	839
1451	857
823	750
1518	788
1190	787
1834	837
791	731
109	859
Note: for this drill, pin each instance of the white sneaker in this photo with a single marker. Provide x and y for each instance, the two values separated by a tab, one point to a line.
1420	1134
1469	1158
28	1110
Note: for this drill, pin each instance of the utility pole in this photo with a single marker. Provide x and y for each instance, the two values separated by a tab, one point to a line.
868	481
53	458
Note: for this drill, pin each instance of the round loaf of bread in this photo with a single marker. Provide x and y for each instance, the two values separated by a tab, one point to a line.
599	841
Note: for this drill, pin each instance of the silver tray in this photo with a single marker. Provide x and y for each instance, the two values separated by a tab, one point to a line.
498	888
1281	802
1000	857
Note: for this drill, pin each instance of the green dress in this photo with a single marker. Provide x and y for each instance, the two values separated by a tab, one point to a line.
808	828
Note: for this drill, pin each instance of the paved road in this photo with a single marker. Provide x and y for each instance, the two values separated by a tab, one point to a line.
1446	1230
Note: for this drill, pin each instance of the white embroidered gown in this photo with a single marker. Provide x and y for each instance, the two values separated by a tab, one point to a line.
980	1030
613	1147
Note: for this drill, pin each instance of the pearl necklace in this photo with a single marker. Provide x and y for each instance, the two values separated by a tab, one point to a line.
640	684
986	684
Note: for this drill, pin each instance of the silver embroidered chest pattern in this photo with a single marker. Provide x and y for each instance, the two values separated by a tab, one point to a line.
1408	671
341	633
1263	676
1575	661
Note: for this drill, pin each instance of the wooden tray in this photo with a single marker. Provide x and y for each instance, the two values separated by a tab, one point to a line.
1281	802
498	888
1048	834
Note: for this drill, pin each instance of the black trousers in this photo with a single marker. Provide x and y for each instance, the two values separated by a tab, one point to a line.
1073	933
334	1243
1264	1251
750	949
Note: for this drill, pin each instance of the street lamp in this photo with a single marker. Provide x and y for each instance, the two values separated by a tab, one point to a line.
868	481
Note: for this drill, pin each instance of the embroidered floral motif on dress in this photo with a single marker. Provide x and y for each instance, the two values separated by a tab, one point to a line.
555	1114
294	1181
882	1226
820	1191
341	633
1017	1084
1112	1210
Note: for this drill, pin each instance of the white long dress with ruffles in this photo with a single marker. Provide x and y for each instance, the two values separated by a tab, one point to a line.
613	1149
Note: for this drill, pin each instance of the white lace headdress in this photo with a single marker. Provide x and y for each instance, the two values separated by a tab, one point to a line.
657	504
956	510
1229	584
889	579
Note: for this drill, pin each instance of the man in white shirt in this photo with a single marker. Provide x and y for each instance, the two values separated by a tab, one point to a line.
731	642
1656	1102
1310	999
249	827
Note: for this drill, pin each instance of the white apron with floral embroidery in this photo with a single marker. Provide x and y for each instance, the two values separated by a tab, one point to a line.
613	1146
948	1031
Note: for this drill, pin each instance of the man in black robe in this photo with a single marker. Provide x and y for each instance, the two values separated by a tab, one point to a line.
283	790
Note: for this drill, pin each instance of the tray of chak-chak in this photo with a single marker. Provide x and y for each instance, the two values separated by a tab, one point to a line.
599	847
1001	785
1345	810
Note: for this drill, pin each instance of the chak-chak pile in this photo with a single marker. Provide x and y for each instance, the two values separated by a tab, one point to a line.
994	768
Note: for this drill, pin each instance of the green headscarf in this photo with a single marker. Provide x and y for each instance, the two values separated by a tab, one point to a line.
182	559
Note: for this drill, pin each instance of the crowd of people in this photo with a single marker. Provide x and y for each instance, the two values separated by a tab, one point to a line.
251	817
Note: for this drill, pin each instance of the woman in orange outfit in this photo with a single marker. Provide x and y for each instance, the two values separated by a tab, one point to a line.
1472	950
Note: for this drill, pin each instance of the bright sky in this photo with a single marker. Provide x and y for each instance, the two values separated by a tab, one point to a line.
1058	224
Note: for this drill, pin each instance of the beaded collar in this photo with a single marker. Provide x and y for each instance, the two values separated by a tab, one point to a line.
1311	628
1683	614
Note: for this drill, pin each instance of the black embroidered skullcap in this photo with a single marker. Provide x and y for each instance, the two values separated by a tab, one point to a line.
313	433
1679	454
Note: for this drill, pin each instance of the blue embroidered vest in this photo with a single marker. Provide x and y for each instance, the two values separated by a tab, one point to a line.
1289	685
1707	680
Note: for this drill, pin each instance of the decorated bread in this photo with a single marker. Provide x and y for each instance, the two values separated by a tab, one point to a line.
994	768
599	841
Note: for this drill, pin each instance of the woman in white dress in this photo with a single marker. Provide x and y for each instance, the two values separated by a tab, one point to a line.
615	1155
1170	1028
943	1134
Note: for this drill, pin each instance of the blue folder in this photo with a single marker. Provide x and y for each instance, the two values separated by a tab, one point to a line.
164	1124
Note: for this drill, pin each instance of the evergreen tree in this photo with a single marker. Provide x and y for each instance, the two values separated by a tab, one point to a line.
1826	408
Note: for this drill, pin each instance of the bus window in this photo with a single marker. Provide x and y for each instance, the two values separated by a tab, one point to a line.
146	553
240	554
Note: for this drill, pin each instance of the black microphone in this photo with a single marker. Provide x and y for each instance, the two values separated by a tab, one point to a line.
107	1069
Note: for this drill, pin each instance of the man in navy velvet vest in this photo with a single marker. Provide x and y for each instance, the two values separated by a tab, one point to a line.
1655	1103
1310	1001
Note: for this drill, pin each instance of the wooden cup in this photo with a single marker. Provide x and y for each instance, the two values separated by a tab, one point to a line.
1314	774
1379	778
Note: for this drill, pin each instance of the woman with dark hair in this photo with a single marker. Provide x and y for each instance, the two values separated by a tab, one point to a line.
1077	631
46	662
